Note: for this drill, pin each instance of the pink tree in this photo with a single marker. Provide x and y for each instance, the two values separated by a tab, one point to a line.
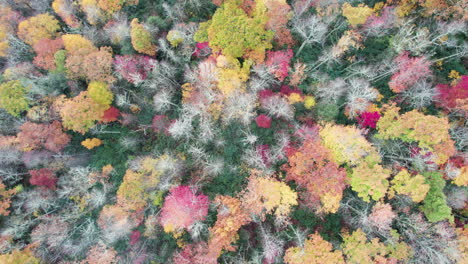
182	208
133	68
278	61
410	70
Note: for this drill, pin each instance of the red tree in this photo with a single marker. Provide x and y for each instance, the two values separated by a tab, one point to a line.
110	115
453	97
43	177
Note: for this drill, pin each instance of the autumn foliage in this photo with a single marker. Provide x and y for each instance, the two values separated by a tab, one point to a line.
182	208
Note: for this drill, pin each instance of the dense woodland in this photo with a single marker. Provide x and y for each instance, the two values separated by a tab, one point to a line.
233	131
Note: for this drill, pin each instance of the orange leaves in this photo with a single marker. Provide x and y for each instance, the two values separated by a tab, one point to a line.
5	199
79	113
231	217
91	143
310	167
36	136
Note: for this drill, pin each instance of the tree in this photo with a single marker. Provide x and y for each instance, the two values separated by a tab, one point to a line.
5	199
356	15
100	93
263	121
97	66
358	250
43	177
45	50
369	181
138	185
368	119
34	136
410	70
347	145
312	169
80	112
38	27
142	40
230	218
235	34
78	45
19	256
382	216
316	250
101	254
182	208
453	97
430	132
413	186
278	63
435	206
13	97
231	75
65	9
133	68
265	195
110	115
279	14
91	143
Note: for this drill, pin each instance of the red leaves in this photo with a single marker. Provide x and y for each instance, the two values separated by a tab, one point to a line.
410	70
182	208
110	115
368	119
263	121
278	61
43	177
452	97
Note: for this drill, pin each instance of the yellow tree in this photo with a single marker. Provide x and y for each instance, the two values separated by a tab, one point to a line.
265	195
316	250
413	186
430	132
356	15
142	40
38	27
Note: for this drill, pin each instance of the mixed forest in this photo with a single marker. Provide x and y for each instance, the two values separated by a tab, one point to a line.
233	131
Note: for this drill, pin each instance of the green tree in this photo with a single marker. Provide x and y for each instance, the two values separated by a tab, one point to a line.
435	205
12	97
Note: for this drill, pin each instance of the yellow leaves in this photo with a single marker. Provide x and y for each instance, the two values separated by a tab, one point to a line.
38	27
78	45
142	40
19	257
346	143
413	186
356	15
100	93
462	178
370	181
429	131
309	102
295	98
267	195
316	251
330	202
91	143
231	75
